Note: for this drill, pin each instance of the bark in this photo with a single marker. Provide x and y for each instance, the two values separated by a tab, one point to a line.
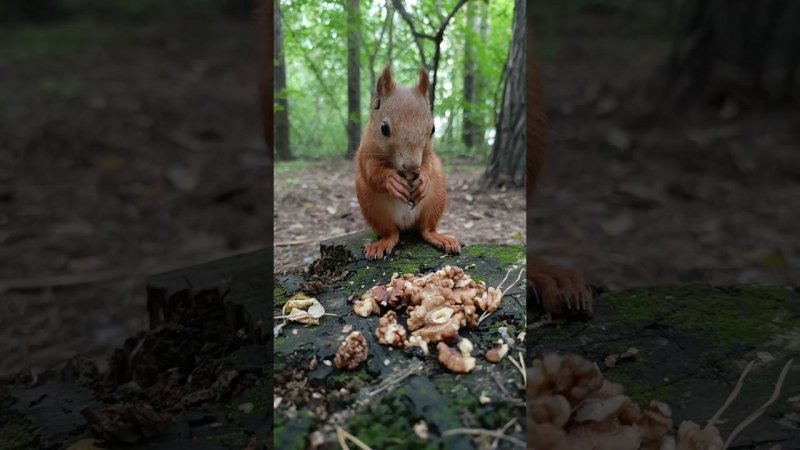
353	78
283	150
265	15
471	127
507	162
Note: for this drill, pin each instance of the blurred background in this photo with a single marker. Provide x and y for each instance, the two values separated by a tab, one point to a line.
130	144
328	57
675	140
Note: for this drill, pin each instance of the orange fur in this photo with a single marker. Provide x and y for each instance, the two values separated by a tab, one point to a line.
386	166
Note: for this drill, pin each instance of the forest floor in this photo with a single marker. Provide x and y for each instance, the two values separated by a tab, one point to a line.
125	150
318	202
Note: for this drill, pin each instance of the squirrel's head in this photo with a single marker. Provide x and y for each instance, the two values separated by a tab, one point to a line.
400	121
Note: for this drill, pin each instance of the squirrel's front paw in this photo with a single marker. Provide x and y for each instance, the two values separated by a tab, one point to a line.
397	187
420	187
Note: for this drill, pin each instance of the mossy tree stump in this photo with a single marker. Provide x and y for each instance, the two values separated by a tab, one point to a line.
694	341
222	306
323	396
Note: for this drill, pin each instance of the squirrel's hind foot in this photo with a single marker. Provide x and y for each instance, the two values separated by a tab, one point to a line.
448	244
378	249
562	291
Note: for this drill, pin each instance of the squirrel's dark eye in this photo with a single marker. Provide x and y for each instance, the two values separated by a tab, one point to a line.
385	129
433	130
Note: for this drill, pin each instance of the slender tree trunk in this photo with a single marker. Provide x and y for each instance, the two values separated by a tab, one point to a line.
353	78
390	46
437	39
470	130
507	162
283	150
742	50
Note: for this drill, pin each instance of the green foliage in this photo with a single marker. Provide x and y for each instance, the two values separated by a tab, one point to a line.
315	48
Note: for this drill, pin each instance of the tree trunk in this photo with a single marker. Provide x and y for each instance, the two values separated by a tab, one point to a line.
353	78
507	162
740	50
437	39
266	17
471	129
282	149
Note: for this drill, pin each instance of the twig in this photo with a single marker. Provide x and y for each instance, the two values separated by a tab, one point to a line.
503	430
297	242
732	396
341	434
485	315
521	367
757	413
500	286
396	378
484	432
515	281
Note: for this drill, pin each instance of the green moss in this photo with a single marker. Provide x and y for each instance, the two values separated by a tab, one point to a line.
344	377
737	315
279	296
232	439
729	317
637	306
643	395
291	433
18	433
504	254
388	424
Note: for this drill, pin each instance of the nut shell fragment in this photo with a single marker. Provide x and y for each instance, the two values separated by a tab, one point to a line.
497	352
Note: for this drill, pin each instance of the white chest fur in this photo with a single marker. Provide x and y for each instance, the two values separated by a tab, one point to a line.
404	217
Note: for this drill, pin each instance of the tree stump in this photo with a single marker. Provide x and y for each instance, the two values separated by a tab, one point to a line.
206	361
360	401
693	342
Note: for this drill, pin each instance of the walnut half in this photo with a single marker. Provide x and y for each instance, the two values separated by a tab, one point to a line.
352	352
457	360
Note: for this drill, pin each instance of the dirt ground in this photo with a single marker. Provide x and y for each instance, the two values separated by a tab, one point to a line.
136	150
317	203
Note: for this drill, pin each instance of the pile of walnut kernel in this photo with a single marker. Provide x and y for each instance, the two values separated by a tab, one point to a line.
436	305
572	407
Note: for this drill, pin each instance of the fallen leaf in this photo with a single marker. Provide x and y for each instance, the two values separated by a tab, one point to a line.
304	309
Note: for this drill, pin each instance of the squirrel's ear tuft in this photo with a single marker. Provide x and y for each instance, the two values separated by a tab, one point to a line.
385	84
422	84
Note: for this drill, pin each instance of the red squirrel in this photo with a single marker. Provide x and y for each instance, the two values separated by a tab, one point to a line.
561	291
400	183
